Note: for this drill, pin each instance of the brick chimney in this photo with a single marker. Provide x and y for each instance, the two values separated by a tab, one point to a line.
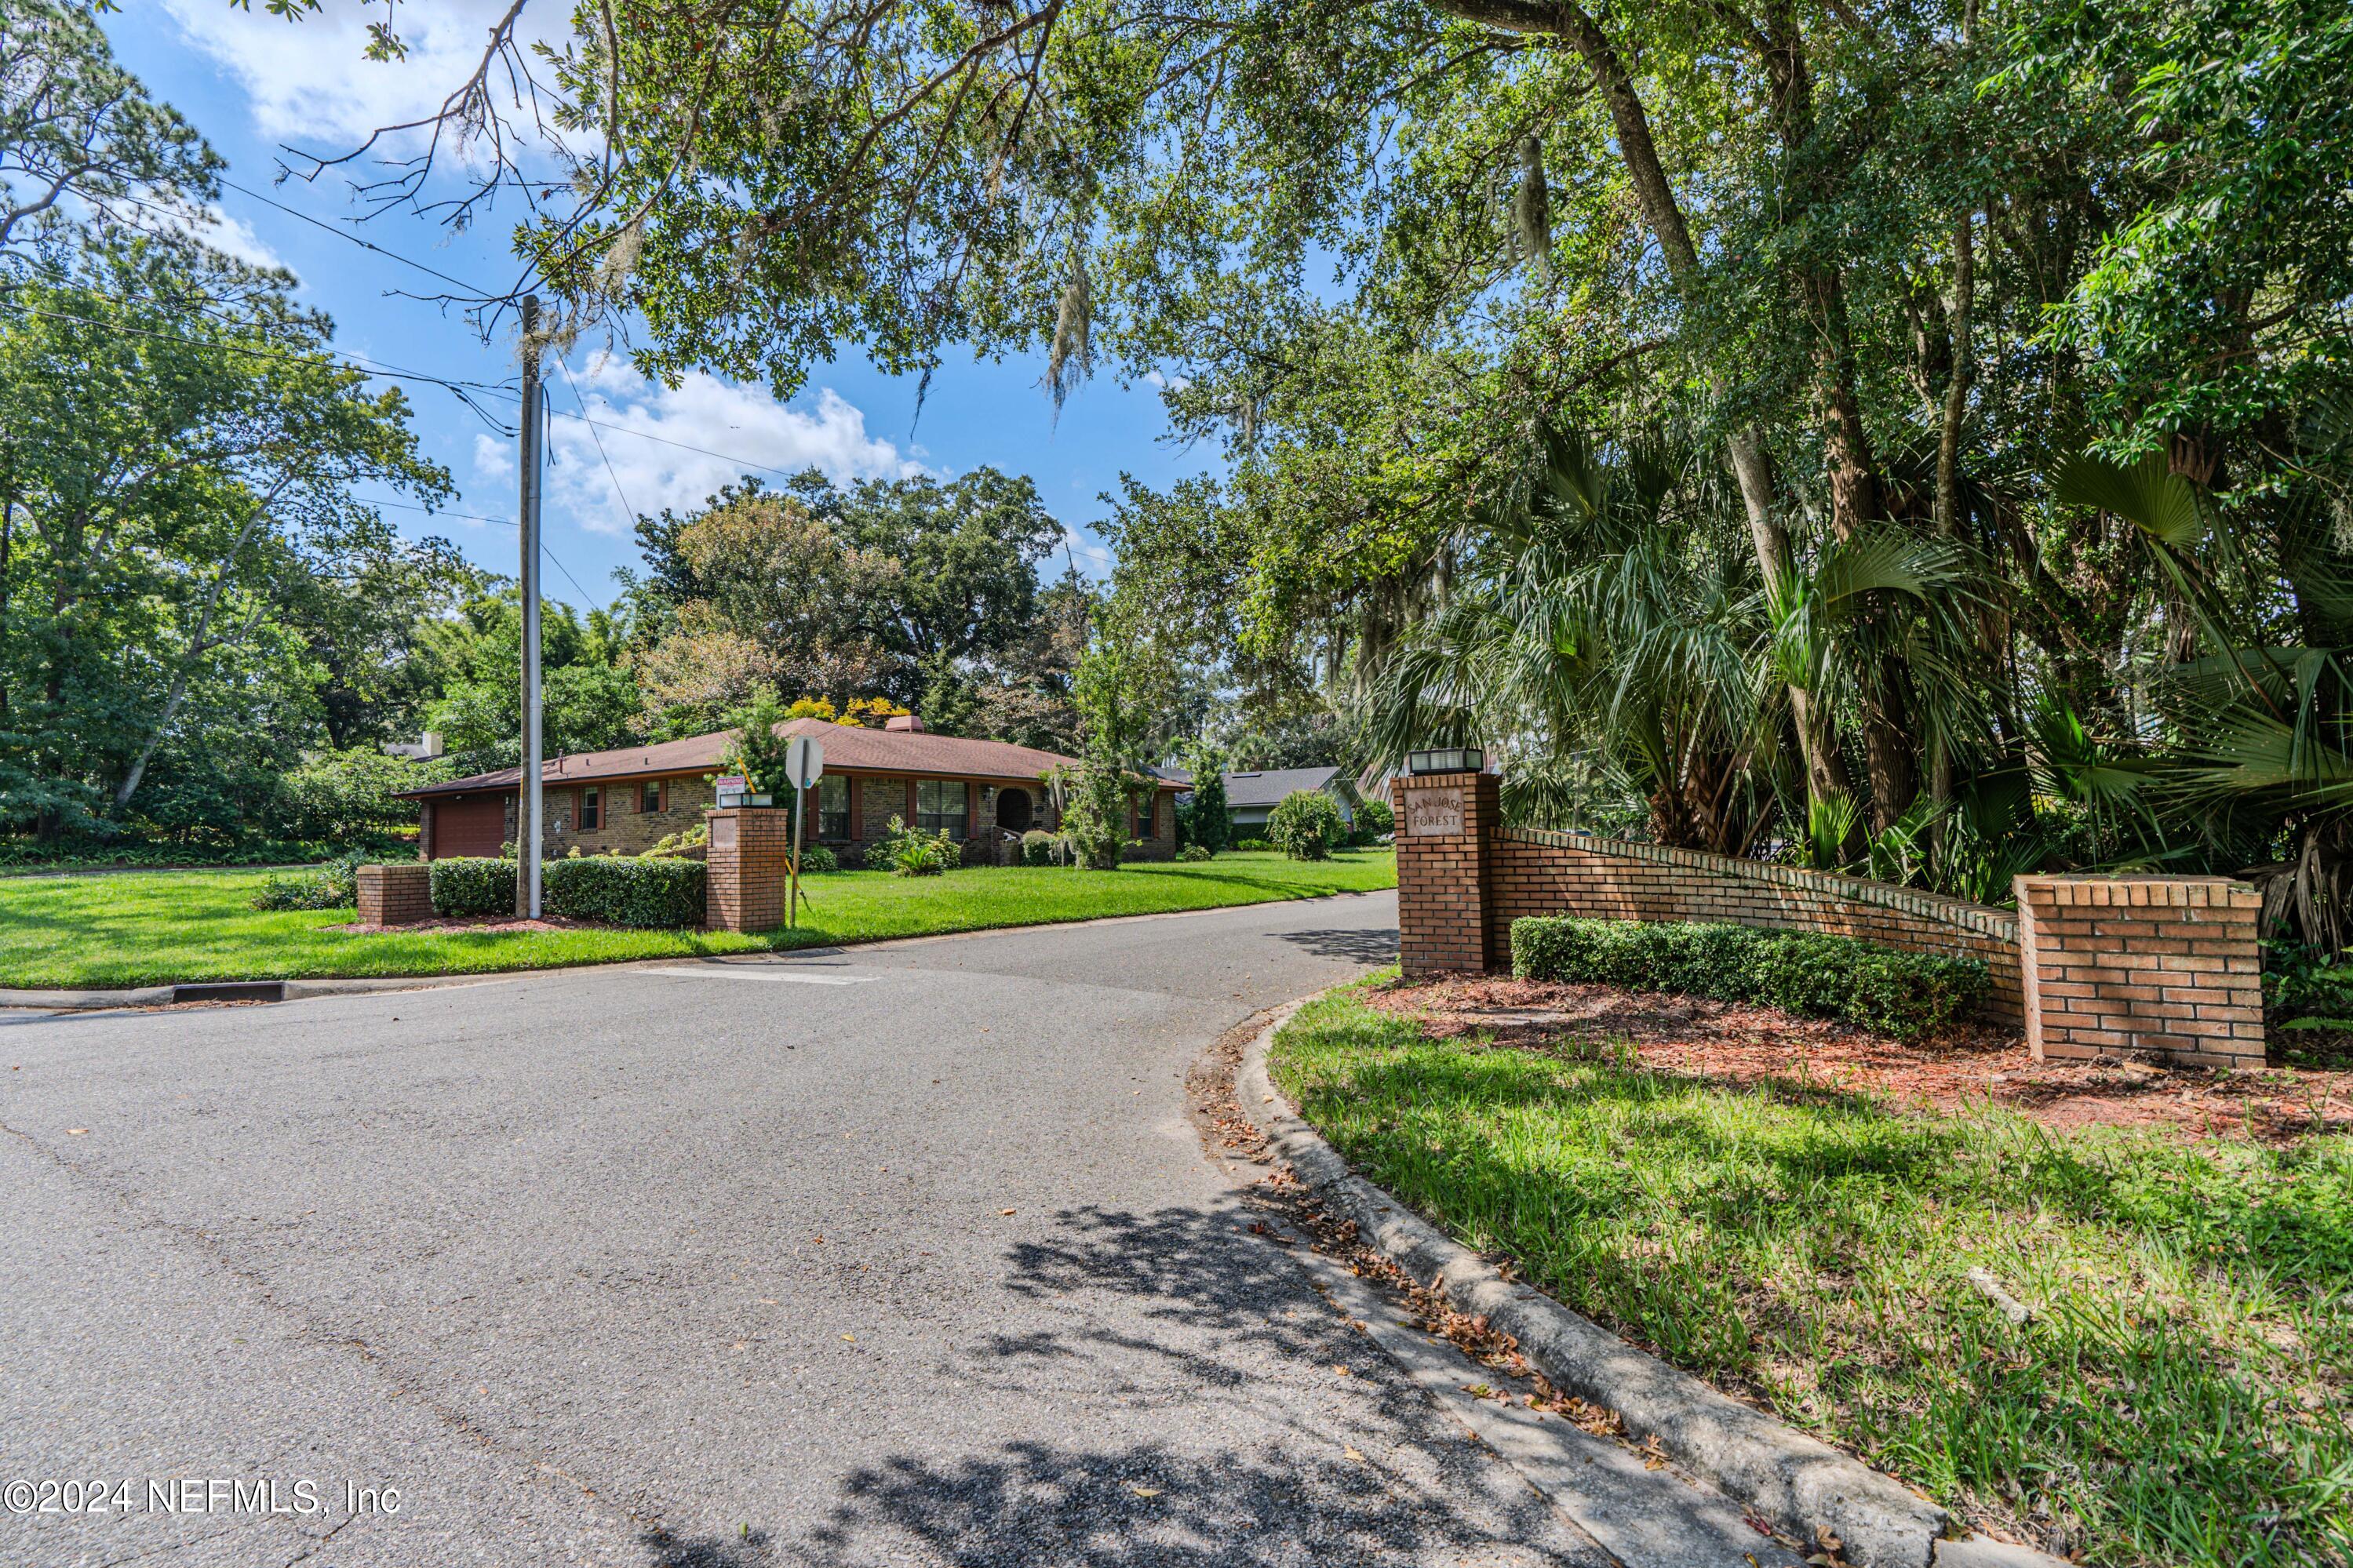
904	724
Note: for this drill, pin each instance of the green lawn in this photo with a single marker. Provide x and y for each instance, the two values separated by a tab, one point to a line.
148	927
2179	1396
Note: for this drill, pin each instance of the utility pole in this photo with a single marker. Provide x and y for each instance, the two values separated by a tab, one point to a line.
527	802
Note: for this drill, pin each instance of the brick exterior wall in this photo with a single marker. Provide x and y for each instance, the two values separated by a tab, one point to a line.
2167	965
622	829
2090	965
750	851
396	895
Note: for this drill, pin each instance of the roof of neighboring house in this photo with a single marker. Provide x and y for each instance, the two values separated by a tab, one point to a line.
1268	787
1175	776
847	747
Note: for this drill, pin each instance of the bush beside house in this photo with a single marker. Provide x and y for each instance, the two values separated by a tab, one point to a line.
1306	825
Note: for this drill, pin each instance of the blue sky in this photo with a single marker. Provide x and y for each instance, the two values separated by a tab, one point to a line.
252	83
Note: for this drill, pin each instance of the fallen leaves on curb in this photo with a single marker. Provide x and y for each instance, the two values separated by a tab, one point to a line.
1142	1491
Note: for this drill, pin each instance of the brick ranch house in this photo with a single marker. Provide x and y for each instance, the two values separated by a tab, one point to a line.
624	800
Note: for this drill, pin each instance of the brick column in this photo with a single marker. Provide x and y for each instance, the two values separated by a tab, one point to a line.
396	895
744	886
1443	821
2165	966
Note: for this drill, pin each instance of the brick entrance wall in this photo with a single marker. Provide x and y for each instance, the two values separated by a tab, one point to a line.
751	846
396	895
2168	964
2162	966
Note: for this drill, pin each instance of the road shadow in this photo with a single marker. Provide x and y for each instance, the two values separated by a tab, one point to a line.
1355	945
1211	1362
1038	1504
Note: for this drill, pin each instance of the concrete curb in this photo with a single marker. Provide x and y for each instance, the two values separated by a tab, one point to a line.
289	990
1801	1485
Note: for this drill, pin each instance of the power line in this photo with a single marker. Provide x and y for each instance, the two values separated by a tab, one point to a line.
364	244
501	522
629	513
464	390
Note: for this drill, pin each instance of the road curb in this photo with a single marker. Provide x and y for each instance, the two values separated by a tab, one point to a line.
287	990
1803	1485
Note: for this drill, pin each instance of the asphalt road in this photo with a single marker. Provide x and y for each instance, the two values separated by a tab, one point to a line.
909	1254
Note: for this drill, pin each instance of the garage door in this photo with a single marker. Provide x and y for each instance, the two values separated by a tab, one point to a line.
469	825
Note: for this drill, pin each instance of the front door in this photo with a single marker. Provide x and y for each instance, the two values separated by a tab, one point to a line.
1014	811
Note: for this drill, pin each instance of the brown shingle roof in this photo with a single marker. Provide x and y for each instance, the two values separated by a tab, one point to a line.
847	747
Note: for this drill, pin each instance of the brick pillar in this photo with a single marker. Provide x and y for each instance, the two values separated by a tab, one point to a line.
396	895
1442	824
750	845
2165	966
425	831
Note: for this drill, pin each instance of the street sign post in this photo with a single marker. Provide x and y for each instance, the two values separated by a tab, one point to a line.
804	765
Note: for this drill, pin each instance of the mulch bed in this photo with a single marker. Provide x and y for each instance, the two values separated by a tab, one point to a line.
491	923
1741	1043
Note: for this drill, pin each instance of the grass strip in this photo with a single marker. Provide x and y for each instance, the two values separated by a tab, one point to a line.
2179	1395
153	928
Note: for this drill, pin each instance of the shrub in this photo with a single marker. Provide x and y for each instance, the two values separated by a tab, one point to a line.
817	861
1904	994
464	885
341	797
624	891
1208	824
332	885
694	841
1249	844
1305	825
1374	819
1193	852
911	852
1038	847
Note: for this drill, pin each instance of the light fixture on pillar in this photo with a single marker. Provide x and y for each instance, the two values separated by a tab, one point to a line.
1451	760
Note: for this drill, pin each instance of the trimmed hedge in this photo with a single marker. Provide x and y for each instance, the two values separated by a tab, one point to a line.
650	892
625	891
464	885
1904	994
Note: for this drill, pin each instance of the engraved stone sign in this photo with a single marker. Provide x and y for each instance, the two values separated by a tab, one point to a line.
722	833
1433	813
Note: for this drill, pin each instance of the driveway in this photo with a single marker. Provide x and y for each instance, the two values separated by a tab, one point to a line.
909	1254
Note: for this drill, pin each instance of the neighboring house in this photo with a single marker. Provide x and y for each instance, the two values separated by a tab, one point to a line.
1251	796
624	800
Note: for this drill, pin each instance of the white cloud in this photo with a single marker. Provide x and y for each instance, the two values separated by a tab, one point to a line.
745	423
235	236
494	460
310	79
1168	383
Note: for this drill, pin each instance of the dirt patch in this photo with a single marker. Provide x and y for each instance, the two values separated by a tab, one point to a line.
1967	1067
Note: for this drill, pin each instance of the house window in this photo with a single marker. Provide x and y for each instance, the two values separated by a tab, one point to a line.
940	807
591	810
1144	817
833	806
649	795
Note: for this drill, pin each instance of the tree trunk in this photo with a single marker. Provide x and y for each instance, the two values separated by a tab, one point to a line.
1825	773
1947	512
